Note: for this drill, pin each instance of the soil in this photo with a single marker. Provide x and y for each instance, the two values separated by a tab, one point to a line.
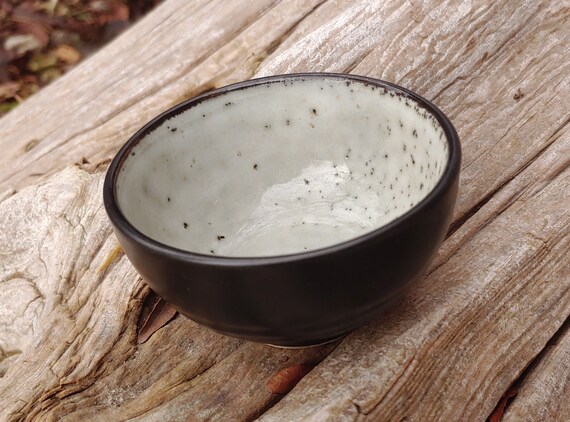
40	40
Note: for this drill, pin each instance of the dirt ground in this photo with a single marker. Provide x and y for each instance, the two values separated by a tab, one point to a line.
40	40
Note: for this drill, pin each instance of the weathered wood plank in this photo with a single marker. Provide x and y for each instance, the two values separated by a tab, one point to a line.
438	337
451	348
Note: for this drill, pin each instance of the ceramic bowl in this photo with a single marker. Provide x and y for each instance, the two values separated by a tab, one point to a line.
286	210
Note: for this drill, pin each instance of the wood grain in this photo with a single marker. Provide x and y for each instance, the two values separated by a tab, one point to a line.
495	295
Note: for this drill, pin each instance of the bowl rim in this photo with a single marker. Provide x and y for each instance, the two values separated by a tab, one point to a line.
122	224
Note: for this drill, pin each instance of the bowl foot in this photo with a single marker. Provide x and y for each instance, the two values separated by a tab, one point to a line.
320	343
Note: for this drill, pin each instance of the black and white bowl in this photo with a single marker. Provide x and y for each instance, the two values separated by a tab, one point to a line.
287	210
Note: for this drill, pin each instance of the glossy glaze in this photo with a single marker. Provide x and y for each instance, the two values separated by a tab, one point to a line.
282	168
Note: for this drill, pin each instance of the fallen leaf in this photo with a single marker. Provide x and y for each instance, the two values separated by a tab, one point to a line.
67	54
50	74
36	29
286	379
42	61
497	414
6	107
8	90
23	43
48	6
161	313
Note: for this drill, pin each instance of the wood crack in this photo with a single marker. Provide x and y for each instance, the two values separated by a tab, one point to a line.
286	35
562	331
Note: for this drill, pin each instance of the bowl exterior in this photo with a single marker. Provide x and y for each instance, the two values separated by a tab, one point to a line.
299	302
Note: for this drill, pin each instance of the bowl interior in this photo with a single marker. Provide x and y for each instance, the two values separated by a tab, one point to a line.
281	167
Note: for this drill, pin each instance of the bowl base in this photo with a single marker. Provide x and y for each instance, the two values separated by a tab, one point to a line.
320	343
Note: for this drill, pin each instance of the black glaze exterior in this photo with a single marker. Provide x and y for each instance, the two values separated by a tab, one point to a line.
300	299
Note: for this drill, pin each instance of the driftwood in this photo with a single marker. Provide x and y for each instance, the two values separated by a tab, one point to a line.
494	305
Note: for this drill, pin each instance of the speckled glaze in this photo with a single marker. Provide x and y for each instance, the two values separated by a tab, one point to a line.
282	168
289	209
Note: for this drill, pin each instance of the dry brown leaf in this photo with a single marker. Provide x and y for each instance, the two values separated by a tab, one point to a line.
8	90
40	62
286	379
22	43
67	54
156	314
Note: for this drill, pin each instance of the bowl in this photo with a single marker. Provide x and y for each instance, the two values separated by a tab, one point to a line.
286	210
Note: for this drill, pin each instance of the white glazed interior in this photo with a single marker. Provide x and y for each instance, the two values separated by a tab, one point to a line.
282	168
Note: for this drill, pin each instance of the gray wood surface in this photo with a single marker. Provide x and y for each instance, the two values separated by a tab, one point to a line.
496	295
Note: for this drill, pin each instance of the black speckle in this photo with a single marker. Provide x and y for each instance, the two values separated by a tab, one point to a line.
401	124
287	122
212	252
391	187
239	154
405	148
413	161
168	199
203	115
209	224
385	155
173	129
255	166
366	163
267	126
185	225
276	204
421	186
229	104
306	181
220	237
314	110
133	153
347	83
518	95
415	133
